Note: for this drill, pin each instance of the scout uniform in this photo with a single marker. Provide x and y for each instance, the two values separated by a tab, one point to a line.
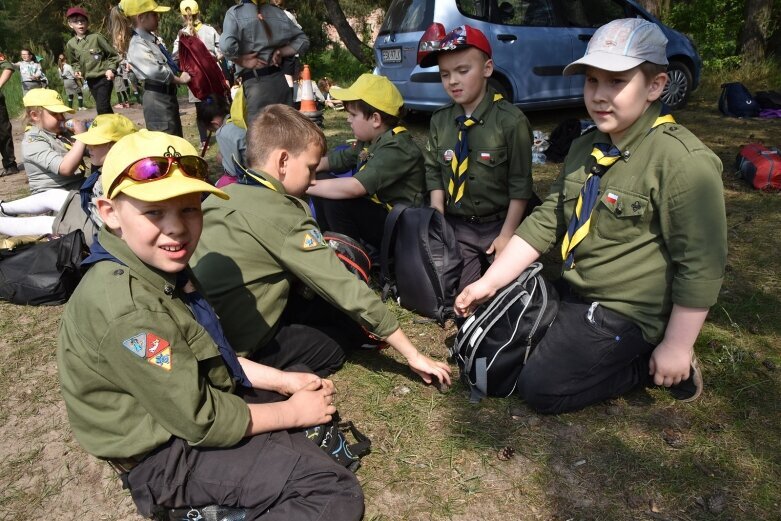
391	171
656	236
243	33
499	169
147	389
70	84
92	56
161	107
254	247
43	151
6	135
32	75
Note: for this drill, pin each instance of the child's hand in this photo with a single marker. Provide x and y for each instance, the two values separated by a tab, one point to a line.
314	404
670	364
425	367
498	245
109	75
292	382
472	296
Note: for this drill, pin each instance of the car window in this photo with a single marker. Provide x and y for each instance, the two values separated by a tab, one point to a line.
406	16
477	9
592	13
536	13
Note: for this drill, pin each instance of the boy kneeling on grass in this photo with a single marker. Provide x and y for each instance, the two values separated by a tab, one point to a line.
151	385
639	211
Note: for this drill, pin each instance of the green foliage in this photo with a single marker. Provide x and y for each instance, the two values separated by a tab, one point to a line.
714	25
336	63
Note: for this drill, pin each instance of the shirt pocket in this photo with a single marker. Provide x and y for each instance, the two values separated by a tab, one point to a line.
489	160
622	214
569	198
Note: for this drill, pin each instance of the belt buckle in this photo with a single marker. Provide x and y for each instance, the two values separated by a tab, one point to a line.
473	219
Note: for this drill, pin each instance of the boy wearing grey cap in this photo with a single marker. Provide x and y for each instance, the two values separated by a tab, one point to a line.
637	214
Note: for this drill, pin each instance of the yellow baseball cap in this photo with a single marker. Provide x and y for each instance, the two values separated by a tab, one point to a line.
143	144
191	4
107	128
135	7
375	90
46	98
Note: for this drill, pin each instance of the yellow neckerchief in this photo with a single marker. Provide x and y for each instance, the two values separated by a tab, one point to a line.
253	176
238	110
374	198
197	24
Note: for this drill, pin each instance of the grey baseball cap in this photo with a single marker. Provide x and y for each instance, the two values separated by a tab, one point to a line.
621	45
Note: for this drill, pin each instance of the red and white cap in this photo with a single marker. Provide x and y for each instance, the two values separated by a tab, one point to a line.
462	37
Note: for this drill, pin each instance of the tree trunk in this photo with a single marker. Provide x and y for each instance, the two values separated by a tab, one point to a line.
755	32
652	6
356	47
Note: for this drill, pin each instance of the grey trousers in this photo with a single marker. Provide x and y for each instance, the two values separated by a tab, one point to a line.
266	90
161	113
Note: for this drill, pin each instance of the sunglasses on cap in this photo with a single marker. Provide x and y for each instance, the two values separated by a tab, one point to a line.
159	167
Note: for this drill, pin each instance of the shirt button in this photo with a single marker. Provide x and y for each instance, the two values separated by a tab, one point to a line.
627	154
117	273
168	289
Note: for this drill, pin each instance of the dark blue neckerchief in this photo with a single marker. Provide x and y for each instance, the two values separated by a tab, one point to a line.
202	311
85	191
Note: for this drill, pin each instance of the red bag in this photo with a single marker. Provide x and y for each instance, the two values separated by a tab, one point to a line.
760	166
205	73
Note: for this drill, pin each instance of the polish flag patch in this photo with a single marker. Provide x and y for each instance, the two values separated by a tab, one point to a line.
612	198
485	156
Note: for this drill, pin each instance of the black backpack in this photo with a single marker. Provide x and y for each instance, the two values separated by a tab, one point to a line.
351	253
426	263
42	273
493	344
561	139
737	101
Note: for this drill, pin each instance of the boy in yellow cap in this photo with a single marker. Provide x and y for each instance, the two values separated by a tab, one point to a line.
75	209
149	381
133	25
388	164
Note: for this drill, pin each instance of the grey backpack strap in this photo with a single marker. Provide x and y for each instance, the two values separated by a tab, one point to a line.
481	381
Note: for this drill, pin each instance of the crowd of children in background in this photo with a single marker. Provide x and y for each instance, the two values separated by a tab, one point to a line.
221	403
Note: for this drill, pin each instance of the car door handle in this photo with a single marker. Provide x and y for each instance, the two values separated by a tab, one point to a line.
506	37
585	37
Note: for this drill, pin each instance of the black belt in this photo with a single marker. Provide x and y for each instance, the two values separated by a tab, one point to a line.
248	74
157	86
475	219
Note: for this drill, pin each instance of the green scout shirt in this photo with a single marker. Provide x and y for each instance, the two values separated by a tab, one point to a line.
499	157
136	368
5	65
393	170
91	55
254	246
658	234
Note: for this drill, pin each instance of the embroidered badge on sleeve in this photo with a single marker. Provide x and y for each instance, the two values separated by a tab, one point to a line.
156	350
313	239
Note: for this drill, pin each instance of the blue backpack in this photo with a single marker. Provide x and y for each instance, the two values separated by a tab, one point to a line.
737	101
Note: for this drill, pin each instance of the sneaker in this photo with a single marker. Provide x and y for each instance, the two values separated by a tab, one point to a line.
691	388
126	105
119	106
2	213
82	108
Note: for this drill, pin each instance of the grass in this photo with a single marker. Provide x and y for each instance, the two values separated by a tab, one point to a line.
434	455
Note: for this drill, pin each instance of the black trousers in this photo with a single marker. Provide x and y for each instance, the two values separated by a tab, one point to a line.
474	239
314	333
279	476
360	218
101	90
6	136
266	90
589	354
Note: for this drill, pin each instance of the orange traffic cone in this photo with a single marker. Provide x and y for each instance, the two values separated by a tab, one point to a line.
307	93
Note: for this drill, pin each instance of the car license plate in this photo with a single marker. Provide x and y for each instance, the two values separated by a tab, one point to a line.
391	55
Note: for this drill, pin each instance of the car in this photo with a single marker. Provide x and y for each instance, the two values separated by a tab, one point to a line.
532	42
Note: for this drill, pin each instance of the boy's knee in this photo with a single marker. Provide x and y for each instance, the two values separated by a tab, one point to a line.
539	392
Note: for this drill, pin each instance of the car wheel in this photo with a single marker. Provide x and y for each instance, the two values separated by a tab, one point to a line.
679	84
